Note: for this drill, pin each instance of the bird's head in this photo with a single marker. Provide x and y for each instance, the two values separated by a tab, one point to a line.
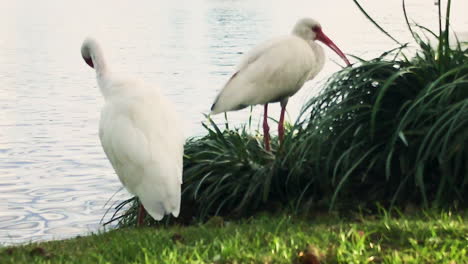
306	28
311	30
88	49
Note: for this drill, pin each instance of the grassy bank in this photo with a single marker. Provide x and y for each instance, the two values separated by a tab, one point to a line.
412	238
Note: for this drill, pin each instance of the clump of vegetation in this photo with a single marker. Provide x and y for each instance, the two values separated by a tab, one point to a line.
228	172
393	130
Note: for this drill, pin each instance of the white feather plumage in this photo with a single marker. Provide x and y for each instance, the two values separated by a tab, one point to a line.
142	137
274	70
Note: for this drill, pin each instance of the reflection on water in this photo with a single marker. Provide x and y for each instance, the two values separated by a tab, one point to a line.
54	178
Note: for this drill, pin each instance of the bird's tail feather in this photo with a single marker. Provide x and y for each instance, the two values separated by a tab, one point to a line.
161	195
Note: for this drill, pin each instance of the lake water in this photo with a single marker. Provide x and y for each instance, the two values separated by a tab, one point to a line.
54	178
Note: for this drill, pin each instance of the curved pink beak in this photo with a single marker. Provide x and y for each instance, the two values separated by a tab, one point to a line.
89	61
323	38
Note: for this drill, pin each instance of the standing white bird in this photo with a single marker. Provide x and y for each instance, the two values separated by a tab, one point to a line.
276	70
142	137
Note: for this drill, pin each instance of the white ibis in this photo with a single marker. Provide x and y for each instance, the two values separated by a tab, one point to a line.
276	70
142	137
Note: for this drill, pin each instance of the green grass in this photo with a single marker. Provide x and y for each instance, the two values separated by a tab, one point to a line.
410	238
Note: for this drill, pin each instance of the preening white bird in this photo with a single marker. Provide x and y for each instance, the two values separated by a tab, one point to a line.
276	70
142	137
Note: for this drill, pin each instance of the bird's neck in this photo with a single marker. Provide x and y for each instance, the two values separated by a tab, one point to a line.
110	85
99	62
318	49
319	58
103	74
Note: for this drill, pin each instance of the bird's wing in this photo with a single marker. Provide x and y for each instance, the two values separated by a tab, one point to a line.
269	73
125	145
143	141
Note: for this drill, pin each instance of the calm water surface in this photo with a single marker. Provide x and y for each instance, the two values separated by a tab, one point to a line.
54	178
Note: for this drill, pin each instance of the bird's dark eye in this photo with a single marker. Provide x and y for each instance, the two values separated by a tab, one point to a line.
315	28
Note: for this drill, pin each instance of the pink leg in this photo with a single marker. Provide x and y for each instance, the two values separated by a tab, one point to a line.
281	124
141	215
266	129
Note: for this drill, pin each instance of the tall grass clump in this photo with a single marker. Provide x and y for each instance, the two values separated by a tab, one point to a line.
392	130
227	172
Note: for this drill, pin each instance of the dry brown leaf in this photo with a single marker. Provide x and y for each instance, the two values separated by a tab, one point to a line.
311	255
177	238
